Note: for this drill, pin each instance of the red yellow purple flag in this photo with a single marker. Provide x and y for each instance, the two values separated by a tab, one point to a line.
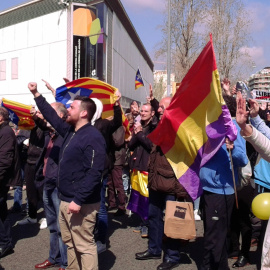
19	114
196	122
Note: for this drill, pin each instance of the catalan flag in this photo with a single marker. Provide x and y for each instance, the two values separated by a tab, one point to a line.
92	88
195	128
138	80
139	197
19	114
88	87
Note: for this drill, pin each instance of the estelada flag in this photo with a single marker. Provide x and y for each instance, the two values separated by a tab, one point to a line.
19	114
88	87
192	130
138	80
92	88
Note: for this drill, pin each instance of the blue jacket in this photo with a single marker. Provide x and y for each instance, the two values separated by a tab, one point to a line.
81	159
216	174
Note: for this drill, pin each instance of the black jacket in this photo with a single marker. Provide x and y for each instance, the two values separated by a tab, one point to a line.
10	169
81	159
142	147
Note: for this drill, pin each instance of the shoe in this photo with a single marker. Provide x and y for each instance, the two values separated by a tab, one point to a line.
144	232
137	229
167	265
61	268
100	247
241	262
5	250
146	255
120	212
43	224
27	220
46	264
196	216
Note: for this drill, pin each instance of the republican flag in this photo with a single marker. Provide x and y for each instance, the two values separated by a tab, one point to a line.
139	197
193	129
19	114
138	80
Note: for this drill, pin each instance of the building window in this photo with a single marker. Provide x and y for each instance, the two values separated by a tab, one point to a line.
2	70
14	68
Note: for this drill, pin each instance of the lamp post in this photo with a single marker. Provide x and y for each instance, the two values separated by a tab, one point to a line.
169	51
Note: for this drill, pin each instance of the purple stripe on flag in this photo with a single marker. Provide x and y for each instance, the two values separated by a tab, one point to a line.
138	204
216	133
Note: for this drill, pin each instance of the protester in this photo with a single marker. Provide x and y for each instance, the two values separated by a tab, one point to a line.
82	157
34	193
163	186
141	147
47	172
10	175
106	127
218	199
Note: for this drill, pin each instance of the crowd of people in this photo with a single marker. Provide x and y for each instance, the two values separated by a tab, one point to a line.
73	158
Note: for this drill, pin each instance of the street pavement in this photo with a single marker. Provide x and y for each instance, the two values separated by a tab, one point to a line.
32	246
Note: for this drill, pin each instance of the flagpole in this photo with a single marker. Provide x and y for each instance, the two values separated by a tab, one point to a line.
234	184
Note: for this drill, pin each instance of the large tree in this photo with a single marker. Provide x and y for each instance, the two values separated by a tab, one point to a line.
191	23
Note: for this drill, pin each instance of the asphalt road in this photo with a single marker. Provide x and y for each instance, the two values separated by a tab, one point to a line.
32	247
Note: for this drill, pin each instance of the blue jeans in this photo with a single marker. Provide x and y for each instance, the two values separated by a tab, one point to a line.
102	219
17	205
58	250
157	203
197	203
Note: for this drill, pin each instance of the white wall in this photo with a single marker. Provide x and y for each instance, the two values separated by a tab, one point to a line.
126	60
41	47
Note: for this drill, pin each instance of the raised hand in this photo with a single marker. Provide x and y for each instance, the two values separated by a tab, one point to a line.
253	107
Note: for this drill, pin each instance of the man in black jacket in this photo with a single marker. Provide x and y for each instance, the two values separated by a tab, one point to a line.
81	163
9	175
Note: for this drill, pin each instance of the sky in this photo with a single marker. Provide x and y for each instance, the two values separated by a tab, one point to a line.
148	15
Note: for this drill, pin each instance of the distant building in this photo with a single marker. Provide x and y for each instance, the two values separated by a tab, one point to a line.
259	82
52	39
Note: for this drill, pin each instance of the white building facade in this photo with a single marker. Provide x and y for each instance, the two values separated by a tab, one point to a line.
46	39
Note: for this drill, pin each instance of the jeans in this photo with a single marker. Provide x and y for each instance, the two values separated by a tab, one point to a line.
58	250
17	205
157	203
102	218
197	203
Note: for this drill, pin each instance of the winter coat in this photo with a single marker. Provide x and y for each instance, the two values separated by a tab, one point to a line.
10	168
81	159
161	176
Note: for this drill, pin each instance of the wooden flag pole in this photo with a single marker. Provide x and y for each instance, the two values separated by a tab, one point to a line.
234	184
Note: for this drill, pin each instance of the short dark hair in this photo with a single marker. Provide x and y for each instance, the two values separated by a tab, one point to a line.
4	113
87	104
133	102
148	104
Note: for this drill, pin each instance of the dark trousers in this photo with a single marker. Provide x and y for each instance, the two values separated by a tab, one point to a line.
33	193
5	236
241	223
217	211
157	204
116	188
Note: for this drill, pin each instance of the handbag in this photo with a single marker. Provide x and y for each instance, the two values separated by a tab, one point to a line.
179	220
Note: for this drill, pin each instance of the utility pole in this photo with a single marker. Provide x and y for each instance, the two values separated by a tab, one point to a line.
169	51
